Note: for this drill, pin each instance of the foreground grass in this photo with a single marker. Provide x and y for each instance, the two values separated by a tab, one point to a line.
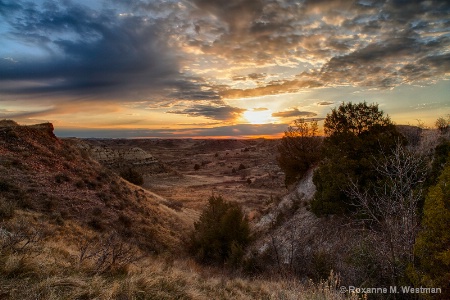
28	277
54	266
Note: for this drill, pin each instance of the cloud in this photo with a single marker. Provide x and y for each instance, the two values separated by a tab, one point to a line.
257	76
238	15
225	113
136	50
294	112
239	78
324	103
61	56
252	76
8	114
97	53
272	88
373	44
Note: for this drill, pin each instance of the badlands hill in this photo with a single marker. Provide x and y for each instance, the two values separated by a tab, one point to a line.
70	228
59	182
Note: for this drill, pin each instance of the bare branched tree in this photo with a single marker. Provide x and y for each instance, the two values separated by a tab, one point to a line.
390	208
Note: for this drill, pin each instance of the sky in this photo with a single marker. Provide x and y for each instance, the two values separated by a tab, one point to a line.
223	68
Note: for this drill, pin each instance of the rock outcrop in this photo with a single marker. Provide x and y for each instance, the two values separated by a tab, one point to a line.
116	157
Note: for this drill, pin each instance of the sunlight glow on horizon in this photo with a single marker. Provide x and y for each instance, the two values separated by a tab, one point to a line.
259	116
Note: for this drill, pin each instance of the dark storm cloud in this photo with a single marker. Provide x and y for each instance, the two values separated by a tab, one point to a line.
211	112
294	112
86	52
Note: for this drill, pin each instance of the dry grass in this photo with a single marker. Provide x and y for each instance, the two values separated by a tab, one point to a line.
50	266
153	278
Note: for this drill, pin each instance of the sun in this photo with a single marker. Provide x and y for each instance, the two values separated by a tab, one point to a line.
258	116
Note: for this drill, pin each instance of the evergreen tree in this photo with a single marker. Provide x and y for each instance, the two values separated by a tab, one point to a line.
432	248
221	233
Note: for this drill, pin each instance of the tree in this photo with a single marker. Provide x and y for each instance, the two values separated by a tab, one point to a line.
442	124
221	233
389	209
356	136
432	248
299	149
355	119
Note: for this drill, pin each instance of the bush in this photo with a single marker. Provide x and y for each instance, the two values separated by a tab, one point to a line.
132	176
221	234
61	178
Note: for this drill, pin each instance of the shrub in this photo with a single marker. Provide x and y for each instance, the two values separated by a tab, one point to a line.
80	184
132	176
221	234
60	178
322	264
